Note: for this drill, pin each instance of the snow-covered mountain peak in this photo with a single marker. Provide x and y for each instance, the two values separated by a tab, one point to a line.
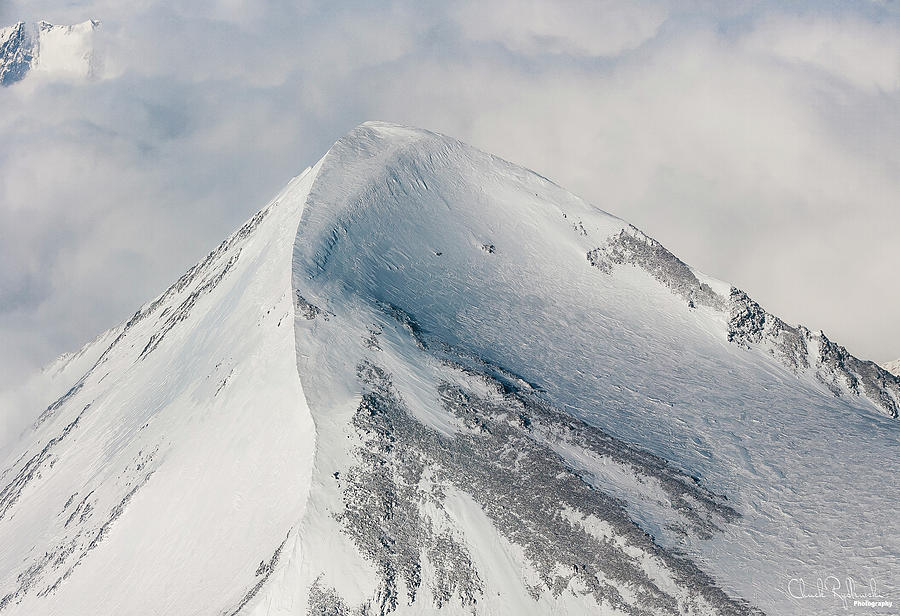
425	380
55	51
540	222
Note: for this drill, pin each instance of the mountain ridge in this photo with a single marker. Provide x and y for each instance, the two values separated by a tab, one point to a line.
750	323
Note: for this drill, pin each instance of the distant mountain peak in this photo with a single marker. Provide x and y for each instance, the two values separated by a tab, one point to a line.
16	53
893	367
58	51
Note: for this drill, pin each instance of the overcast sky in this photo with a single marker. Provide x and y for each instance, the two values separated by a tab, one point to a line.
759	143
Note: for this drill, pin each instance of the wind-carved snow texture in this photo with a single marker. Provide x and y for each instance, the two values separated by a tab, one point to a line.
702	510
503	457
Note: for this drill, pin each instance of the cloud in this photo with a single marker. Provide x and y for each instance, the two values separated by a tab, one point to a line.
759	144
580	28
865	54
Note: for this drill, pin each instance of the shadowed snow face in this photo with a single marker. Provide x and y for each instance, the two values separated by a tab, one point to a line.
759	144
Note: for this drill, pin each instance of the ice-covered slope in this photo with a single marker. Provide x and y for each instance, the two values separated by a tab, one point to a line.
424	380
57	52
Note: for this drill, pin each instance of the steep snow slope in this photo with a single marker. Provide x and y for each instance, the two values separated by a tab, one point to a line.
181	459
424	380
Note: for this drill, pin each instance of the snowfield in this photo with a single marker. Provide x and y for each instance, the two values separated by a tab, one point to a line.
423	380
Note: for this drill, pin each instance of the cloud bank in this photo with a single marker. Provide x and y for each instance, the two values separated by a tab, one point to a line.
761	144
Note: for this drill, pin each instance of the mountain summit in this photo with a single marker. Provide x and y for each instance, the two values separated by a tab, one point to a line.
425	380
